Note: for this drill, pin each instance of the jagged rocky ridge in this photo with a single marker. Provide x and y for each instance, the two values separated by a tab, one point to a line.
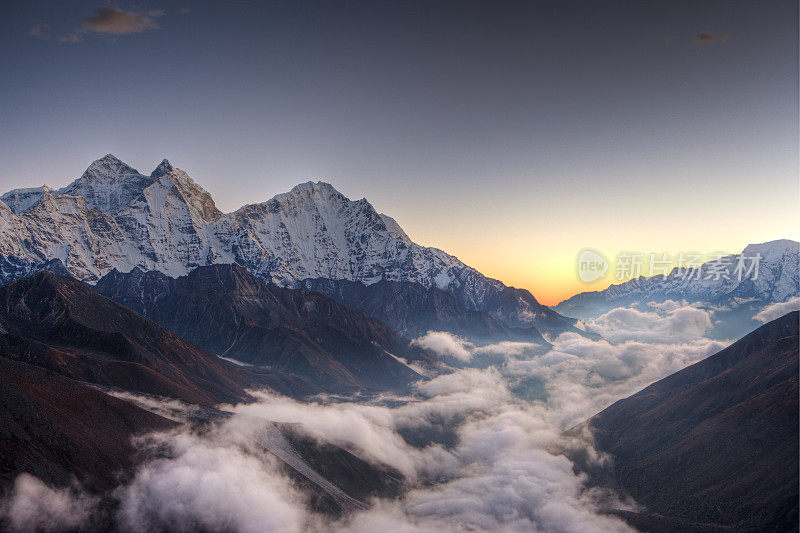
113	217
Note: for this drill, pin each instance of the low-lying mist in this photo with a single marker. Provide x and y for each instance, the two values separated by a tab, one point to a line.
479	448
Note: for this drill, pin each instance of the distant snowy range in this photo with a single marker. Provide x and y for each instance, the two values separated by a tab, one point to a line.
301	364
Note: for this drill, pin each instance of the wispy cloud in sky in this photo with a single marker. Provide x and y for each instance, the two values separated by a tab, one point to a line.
118	22
707	37
108	21
71	38
40	30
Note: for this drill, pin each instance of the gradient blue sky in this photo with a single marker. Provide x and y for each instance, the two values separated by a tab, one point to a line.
509	134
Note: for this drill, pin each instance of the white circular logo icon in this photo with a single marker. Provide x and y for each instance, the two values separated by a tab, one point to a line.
591	266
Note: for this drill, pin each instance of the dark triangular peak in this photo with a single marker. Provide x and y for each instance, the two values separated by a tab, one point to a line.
165	167
137	289
226	277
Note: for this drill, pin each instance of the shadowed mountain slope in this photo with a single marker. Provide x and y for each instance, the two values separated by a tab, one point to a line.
60	324
56	428
717	442
228	311
61	431
414	310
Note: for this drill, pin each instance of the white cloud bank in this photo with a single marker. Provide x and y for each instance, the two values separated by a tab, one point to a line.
34	506
668	323
500	471
212	482
444	344
777	310
499	476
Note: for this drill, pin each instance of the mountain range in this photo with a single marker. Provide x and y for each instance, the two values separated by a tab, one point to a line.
60	324
776	280
413	310
75	365
734	299
113	217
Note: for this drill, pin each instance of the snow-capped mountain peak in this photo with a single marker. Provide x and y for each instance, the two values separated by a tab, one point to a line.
165	167
197	198
115	217
770	275
316	195
108	185
772	250
109	164
20	200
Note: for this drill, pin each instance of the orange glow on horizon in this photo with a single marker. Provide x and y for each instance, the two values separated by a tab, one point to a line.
551	274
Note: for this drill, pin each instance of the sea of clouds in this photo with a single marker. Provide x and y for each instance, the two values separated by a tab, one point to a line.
505	469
